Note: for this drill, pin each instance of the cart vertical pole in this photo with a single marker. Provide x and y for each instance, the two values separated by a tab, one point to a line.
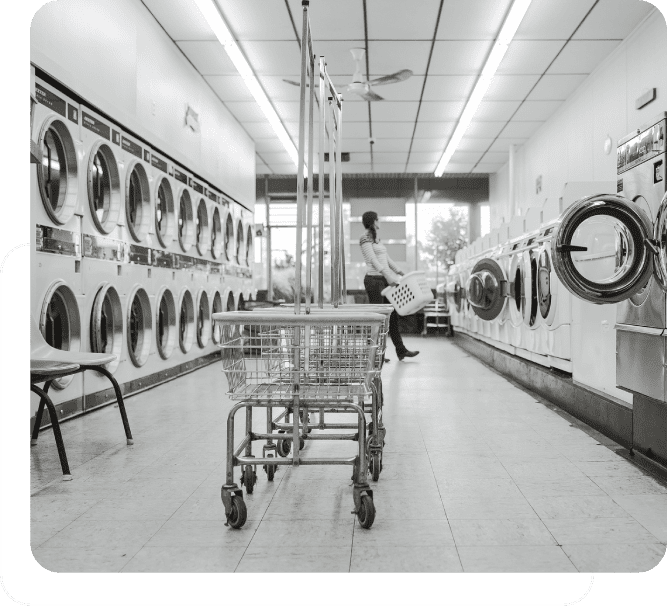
323	126
333	229
269	260
339	195
309	202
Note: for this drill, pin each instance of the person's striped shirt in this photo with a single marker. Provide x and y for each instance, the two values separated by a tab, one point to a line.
377	260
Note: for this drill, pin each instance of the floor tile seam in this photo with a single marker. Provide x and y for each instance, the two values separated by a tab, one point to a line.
634	518
273	496
449	525
158	530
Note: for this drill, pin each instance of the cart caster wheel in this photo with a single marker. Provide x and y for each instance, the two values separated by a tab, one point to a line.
283	447
375	465
270	469
366	513
249	479
238	514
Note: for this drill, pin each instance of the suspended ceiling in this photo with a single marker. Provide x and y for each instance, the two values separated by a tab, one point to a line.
556	46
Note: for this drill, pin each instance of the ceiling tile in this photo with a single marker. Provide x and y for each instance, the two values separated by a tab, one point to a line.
440	111
389	57
390	157
529	56
209	58
458	57
498	157
400	20
340	20
495	111
613	19
474	145
484	130
388	111
181	19
554	87
390	130
360	158
537	110
582	56
277	157
230	88
420	145
510	88
425	157
520	130
549	20
421	167
434	130
246	112
257	19
268	145
503	145
391	145
461	157
488	168
354	112
259	130
356	145
357	168
448	88
288	110
336	53
283	169
385	167
277	89
472	19
272	57
355	130
457	167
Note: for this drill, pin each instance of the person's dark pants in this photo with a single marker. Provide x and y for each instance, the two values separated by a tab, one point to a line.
374	287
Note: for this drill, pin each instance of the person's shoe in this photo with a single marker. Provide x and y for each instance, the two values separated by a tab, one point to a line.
407	354
387	360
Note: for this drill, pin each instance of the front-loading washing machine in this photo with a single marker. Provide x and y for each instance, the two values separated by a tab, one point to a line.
613	249
516	277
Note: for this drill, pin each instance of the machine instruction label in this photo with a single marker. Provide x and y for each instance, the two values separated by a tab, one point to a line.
642	147
48	99
179	176
57	241
212	196
96	126
198	187
131	146
159	163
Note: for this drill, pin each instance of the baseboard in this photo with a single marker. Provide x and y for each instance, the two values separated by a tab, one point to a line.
611	417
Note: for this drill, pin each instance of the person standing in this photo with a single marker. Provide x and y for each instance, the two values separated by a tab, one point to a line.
381	272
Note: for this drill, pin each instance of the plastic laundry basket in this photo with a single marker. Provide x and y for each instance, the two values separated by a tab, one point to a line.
410	295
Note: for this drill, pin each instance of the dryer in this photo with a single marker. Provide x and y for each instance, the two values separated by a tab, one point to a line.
613	249
516	277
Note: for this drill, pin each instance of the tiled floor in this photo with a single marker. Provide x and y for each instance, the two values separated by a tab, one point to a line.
478	476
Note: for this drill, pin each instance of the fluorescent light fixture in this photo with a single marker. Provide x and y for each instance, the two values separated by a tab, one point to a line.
507	31
214	18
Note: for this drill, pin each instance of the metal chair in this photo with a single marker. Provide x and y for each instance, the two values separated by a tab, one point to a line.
48	364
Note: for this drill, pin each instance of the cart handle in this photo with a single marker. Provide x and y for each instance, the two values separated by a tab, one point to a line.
256	317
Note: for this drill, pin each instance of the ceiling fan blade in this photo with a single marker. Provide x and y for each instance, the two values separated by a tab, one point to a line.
404	74
368	95
338	86
292	82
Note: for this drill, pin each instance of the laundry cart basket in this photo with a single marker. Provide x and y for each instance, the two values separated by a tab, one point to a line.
308	360
410	295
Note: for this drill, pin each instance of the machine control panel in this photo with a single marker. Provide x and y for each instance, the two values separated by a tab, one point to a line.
646	144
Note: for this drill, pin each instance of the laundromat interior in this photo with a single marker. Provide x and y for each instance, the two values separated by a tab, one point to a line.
215	386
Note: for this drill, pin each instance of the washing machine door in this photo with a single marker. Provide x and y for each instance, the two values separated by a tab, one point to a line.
487	289
455	294
660	241
516	280
546	285
529	287
603	249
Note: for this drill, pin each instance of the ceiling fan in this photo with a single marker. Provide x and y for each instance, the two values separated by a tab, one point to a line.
362	87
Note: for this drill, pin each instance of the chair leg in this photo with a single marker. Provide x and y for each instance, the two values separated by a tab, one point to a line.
38	416
67	475
119	399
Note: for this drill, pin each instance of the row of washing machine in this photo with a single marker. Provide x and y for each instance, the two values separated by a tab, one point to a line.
131	253
600	243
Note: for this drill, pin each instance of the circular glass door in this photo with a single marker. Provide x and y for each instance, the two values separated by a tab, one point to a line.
139	326
455	293
248	248
529	298
660	241
165	325
106	324
137	202
216	330
57	174
487	289
216	234
185	221
229	237
516	294
164	213
602	249
201	228
239	242
103	187
186	321
60	322
230	302
203	319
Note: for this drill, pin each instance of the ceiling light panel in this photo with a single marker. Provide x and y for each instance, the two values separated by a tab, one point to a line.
582	56
453	57
472	19
613	19
400	20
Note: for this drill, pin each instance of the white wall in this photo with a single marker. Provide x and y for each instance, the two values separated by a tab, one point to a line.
116	56
570	145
